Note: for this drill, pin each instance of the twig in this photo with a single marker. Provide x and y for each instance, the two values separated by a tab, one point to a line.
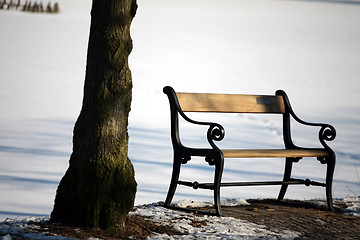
11	224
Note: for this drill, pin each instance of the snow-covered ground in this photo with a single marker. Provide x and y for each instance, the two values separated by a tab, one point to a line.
310	49
191	226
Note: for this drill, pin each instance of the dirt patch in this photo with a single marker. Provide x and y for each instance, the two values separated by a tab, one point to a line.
310	220
137	227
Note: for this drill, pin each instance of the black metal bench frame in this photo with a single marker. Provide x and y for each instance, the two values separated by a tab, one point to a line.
215	157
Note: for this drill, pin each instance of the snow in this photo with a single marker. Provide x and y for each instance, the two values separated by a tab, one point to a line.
214	227
307	48
199	204
353	206
25	229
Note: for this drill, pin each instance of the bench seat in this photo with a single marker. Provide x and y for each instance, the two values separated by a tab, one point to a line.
273	153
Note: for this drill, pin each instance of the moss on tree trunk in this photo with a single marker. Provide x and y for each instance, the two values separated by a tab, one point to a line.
98	189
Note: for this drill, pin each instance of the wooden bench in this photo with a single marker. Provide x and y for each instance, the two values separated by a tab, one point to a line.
236	103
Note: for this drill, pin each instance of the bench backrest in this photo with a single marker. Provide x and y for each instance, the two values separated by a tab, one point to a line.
231	103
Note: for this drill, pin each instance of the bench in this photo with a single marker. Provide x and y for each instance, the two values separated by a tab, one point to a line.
214	156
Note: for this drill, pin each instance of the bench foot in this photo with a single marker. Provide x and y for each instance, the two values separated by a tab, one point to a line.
174	182
330	161
219	165
329	178
217	183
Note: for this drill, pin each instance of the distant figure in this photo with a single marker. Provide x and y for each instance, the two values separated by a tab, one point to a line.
33	8
9	5
48	8
28	7
2	4
56	8
37	7
24	6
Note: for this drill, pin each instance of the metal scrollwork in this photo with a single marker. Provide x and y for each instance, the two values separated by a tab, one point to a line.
216	132
185	159
210	160
327	133
322	160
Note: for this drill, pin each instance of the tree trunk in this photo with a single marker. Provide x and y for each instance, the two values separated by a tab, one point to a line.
99	187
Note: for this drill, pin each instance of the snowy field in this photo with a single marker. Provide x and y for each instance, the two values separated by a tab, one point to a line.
308	48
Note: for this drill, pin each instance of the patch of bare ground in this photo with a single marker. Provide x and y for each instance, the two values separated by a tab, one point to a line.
137	227
310	220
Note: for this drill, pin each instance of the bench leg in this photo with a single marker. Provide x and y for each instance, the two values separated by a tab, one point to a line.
219	166
329	179
174	180
287	175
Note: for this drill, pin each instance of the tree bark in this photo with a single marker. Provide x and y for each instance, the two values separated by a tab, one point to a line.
98	189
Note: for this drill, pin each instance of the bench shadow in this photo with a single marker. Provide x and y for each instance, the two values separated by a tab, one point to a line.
20	214
33	151
18	180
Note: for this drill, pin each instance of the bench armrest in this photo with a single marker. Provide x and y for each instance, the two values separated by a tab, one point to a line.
326	133
215	131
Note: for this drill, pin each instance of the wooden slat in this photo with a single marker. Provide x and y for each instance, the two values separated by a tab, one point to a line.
264	153
232	103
